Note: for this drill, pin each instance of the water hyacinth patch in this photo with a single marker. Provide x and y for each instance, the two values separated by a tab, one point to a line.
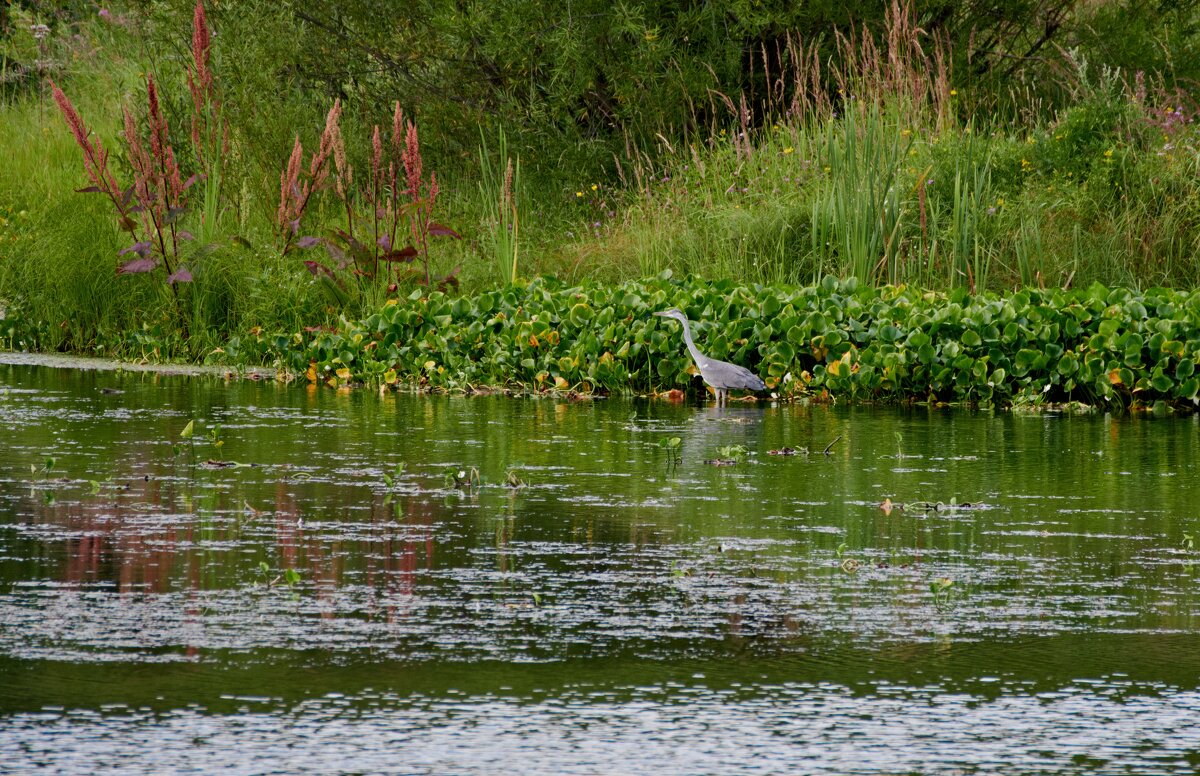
834	340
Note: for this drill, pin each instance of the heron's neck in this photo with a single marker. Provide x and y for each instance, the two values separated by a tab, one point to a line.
697	356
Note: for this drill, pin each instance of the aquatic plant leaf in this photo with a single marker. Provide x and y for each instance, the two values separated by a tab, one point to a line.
136	266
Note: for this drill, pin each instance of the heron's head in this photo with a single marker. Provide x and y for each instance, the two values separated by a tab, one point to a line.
675	313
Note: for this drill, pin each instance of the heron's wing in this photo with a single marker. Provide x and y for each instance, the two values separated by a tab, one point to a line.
726	375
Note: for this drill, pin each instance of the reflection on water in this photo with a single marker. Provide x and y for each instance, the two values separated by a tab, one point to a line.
317	591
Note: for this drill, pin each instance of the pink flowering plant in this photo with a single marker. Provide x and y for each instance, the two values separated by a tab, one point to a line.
152	208
392	199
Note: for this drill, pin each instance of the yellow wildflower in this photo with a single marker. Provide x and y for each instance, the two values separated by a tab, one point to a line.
788	150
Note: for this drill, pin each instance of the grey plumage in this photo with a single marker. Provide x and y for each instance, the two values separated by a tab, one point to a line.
721	375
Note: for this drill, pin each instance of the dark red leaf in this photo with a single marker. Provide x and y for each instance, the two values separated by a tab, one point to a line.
441	230
137	265
317	268
142	249
450	279
128	224
127	196
385	242
181	275
186	235
405	254
90	190
308	241
337	254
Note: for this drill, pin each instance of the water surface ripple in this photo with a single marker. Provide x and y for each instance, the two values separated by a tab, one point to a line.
347	583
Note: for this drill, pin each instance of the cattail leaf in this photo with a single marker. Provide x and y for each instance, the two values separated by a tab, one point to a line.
441	230
136	266
181	275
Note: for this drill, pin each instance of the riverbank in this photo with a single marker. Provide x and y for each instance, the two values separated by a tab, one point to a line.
834	341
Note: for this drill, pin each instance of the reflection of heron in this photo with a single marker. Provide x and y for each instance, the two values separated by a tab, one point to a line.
721	375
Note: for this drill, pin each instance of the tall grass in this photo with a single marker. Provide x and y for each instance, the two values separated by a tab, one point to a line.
500	192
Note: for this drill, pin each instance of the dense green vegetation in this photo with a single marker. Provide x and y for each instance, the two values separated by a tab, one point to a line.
1037	145
1100	346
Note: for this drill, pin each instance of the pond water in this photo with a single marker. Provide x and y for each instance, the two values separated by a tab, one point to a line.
327	599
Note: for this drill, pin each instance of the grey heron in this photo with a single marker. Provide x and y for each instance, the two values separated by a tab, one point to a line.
721	375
